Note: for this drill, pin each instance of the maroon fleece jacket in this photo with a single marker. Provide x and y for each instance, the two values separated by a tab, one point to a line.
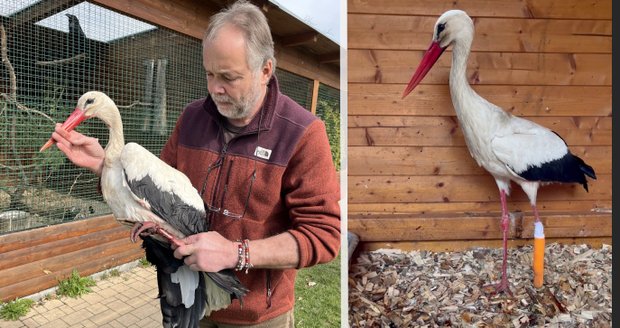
296	189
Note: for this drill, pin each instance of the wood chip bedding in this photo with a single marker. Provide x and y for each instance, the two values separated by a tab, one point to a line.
391	288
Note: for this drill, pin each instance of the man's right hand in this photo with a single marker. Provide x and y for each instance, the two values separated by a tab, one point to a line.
83	151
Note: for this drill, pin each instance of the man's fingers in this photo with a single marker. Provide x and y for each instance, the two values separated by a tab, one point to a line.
73	137
60	139
183	250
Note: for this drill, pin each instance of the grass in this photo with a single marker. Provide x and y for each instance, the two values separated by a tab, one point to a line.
111	273
317	294
75	285
144	263
13	310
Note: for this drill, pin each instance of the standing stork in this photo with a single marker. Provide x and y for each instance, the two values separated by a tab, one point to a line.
508	147
162	206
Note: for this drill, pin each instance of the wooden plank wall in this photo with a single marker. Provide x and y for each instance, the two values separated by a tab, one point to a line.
35	260
411	177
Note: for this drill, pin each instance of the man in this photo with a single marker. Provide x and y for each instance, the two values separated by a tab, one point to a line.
263	166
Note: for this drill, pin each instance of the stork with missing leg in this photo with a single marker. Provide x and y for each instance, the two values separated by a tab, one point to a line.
163	207
508	147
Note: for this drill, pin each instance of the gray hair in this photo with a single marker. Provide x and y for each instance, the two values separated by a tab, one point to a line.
253	23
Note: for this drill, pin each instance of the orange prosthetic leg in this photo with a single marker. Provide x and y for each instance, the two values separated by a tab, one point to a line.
539	254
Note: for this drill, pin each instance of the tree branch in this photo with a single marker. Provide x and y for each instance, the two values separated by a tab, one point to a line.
12	97
61	61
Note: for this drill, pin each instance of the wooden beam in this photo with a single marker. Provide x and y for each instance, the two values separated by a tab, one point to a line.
563	9
187	17
299	39
304	64
333	57
41	236
36	259
407	227
460	245
191	17
315	96
42	10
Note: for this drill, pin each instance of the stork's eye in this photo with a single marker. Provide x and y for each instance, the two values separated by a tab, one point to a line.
440	28
90	101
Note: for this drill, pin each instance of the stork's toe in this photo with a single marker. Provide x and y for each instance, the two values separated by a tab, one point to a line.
501	287
147	227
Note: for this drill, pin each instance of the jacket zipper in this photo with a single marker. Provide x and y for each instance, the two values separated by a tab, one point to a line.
269	290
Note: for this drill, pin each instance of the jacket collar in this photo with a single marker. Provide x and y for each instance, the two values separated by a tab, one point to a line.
267	111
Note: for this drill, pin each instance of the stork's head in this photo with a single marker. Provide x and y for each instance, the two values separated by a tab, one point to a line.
453	25
90	104
94	103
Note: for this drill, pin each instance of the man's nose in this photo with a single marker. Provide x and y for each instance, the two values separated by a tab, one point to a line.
216	87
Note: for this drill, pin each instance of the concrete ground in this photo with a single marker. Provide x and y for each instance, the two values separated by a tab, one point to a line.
128	300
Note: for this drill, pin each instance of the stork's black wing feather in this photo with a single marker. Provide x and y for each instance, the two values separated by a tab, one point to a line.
170	207
568	169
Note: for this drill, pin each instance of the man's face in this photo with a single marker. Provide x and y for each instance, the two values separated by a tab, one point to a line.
236	90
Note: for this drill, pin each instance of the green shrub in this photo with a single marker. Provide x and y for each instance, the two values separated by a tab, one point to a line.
13	310
75	285
330	114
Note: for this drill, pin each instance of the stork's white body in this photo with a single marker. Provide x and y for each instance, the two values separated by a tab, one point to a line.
132	162
160	201
508	147
502	143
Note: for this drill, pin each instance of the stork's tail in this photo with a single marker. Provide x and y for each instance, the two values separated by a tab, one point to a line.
584	169
227	280
174	311
220	288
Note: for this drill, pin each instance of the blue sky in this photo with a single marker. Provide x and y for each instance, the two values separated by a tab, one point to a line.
322	15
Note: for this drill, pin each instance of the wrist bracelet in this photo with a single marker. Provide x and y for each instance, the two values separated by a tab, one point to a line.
247	265
240	257
243	256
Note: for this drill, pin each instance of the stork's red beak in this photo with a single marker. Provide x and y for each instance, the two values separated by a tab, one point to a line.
429	59
72	121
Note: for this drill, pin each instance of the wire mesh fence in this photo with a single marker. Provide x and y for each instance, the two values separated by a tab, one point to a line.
51	55
328	110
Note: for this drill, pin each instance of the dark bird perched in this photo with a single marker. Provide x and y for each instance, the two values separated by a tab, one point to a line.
509	147
163	206
76	39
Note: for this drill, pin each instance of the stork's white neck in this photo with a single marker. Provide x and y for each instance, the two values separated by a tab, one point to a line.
460	90
112	118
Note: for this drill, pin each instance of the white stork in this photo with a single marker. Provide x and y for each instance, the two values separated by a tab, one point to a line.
163	206
508	147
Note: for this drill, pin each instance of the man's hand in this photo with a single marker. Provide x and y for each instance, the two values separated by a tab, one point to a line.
211	252
83	151
208	252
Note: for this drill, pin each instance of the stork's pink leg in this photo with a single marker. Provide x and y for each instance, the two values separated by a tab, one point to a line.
535	209
151	228
503	285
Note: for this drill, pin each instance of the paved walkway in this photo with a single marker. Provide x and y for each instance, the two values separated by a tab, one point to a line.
128	300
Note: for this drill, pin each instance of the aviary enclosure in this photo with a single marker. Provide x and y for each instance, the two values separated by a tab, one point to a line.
146	55
50	58
428	218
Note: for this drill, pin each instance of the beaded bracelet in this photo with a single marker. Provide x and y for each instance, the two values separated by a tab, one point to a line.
243	256
240	258
247	265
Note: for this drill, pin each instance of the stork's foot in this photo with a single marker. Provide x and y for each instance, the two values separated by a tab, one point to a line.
150	228
502	287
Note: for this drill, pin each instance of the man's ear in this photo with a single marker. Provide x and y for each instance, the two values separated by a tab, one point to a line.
267	72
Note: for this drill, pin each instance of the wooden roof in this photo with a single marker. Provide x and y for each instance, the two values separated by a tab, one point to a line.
299	48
